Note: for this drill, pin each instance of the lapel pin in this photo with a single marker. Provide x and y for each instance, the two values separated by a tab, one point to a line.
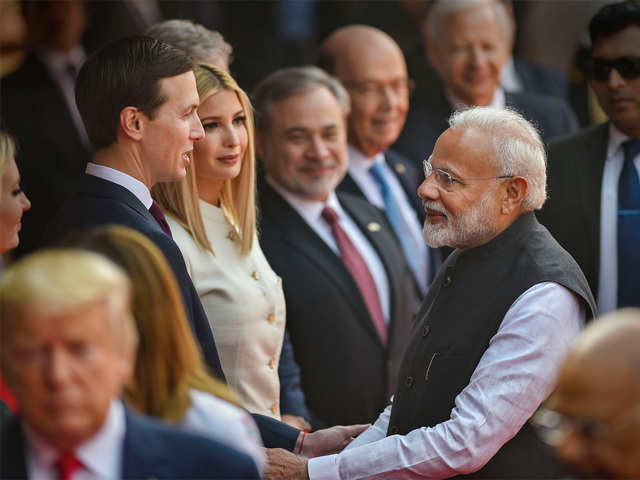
400	168
373	226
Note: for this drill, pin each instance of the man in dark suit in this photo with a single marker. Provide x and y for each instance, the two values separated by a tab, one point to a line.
138	98
371	67
600	381
594	191
346	283
69	346
38	107
468	45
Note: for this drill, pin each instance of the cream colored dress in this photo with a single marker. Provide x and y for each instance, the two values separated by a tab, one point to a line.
244	302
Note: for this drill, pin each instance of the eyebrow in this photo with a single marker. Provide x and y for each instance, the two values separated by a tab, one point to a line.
296	129
192	106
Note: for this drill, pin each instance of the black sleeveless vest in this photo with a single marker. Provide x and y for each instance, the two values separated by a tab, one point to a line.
462	311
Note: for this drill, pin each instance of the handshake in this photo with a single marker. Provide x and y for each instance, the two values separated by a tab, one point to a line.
286	465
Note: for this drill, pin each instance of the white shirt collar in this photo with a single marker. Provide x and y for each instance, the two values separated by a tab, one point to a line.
498	100
509	79
359	162
100	455
132	184
309	210
616	139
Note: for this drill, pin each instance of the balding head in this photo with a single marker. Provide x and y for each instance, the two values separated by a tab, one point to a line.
600	381
371	66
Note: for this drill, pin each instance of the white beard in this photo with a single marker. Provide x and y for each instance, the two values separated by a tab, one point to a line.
470	228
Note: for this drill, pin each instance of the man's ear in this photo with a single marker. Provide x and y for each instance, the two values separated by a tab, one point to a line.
515	190
132	122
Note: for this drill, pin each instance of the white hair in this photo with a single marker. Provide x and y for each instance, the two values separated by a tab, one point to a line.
199	42
518	146
443	8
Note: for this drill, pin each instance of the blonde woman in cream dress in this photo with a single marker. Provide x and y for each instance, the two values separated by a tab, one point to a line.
212	217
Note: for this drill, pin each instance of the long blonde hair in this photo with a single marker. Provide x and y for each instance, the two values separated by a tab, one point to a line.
237	197
168	363
7	150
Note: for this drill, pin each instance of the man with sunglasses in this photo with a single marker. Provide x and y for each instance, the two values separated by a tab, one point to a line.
594	175
593	419
491	333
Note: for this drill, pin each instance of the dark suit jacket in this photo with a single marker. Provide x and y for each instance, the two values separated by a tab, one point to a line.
542	80
572	212
99	202
347	373
428	118
150	450
51	155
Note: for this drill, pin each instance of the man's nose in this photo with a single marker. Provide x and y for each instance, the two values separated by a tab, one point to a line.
615	80
428	190
478	56
197	132
59	368
318	148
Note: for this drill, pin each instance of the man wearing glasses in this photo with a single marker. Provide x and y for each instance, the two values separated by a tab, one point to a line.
493	329
594	415
594	207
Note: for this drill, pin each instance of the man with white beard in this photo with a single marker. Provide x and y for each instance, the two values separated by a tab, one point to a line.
492	331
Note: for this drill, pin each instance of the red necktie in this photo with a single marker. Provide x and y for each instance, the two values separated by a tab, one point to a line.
66	465
359	271
156	211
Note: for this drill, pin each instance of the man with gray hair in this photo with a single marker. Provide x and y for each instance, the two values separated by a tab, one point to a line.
347	286
468	43
200	43
493	329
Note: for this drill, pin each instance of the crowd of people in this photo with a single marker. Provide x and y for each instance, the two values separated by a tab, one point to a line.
344	274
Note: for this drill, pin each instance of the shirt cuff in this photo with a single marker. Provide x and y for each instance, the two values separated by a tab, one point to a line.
323	468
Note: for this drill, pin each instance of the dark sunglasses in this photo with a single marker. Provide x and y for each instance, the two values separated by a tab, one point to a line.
628	67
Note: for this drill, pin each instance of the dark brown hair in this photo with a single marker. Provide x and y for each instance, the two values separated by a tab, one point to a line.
125	73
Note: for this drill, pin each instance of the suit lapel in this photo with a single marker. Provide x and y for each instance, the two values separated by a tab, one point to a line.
374	233
13	462
53	105
301	237
98	187
349	185
142	456
589	168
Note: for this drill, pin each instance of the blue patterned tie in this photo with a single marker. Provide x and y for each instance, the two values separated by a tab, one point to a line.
629	228
410	247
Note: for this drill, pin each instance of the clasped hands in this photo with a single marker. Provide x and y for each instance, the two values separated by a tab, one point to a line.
286	465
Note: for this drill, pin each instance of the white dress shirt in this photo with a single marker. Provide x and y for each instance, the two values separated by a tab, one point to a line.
359	166
134	185
515	374
57	64
213	417
608	276
509	79
101	456
311	212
